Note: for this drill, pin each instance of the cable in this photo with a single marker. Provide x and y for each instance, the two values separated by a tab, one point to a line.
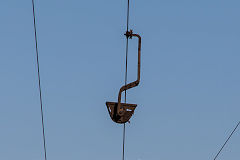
124	131
226	141
39	80
127	52
124	125
128	14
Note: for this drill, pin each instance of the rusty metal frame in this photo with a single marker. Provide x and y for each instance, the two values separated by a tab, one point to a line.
122	112
135	83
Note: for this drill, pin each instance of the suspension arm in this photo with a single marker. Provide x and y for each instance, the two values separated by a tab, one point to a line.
135	83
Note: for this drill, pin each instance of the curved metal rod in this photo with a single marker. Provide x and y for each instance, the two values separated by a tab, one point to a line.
135	83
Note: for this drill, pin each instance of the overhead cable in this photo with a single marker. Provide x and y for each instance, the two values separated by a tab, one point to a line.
39	80
126	71
227	141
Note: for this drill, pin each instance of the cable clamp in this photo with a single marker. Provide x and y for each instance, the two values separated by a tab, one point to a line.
129	34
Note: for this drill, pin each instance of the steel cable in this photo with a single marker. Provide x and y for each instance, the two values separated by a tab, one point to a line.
226	141
126	67
39	80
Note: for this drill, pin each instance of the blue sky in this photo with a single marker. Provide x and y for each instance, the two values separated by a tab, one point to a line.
188	99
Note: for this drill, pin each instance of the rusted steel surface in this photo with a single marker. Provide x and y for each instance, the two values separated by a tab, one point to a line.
122	112
126	113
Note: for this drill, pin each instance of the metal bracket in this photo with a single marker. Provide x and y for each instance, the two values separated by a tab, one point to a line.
129	34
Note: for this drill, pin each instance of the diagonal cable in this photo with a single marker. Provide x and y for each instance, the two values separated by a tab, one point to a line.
39	80
226	141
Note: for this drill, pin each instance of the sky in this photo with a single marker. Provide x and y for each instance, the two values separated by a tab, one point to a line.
188	97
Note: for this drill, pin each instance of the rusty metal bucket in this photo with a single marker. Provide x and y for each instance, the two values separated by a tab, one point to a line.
124	115
122	112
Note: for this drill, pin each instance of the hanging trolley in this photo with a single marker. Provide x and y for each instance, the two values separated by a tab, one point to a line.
122	112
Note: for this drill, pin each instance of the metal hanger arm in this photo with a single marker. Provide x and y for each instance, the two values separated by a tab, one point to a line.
135	83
